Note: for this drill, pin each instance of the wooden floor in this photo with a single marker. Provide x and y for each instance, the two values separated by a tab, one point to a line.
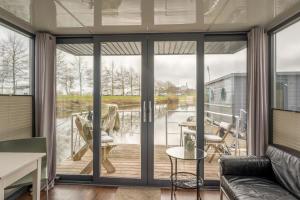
81	192
126	159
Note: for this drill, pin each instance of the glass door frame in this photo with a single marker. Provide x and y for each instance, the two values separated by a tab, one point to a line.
199	39
98	40
213	37
147	130
76	40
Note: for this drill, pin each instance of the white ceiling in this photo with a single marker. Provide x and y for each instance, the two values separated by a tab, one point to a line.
132	16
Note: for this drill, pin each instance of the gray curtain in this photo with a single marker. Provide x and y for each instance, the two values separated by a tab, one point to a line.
257	85
45	73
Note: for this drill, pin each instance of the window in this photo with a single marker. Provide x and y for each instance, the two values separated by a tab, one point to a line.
15	62
287	68
15	80
74	108
225	110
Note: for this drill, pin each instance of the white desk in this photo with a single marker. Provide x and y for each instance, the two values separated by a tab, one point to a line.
14	166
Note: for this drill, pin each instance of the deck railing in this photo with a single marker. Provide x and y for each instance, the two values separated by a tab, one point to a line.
76	141
236	131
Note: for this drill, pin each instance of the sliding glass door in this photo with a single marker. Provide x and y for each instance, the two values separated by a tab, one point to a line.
121	106
148	89
124	99
225	110
174	101
74	106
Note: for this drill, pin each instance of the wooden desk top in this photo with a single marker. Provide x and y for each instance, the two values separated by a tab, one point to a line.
12	162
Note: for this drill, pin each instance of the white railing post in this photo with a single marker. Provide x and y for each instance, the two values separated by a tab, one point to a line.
237	132
72	135
167	129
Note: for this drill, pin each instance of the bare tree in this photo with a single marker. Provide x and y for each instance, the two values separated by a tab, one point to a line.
106	80
121	78
65	73
134	82
88	77
80	65
14	61
4	75
171	88
112	77
68	79
131	82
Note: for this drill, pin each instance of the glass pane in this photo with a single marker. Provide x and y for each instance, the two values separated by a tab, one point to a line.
15	63
225	96
121	12
287	84
174	101
174	11
121	109
74	108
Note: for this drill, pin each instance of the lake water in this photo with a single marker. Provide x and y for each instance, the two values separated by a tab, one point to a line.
129	132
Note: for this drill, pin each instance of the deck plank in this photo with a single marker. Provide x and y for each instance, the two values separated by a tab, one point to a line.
126	160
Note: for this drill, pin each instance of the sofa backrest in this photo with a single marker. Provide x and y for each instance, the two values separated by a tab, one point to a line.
286	167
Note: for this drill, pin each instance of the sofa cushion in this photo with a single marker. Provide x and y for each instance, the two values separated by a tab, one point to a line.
246	166
286	167
253	188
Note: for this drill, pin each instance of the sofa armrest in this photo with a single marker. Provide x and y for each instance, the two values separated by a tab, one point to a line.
246	166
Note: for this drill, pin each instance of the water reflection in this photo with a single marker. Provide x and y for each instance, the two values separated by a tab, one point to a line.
130	128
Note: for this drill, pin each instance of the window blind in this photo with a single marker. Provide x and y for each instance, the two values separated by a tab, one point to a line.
286	128
15	117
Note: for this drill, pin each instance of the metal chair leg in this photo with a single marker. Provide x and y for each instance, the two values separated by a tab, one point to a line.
213	155
221	194
207	147
47	190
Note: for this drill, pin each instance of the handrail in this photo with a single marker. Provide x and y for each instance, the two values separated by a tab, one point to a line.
237	123
236	131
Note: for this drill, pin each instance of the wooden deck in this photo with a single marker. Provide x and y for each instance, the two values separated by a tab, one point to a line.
126	159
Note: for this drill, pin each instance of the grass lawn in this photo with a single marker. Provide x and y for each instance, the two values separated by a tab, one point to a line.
65	100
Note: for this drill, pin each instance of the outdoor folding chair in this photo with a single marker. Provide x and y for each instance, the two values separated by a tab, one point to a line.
86	133
217	141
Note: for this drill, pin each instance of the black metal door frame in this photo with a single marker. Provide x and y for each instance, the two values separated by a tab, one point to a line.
147	129
199	39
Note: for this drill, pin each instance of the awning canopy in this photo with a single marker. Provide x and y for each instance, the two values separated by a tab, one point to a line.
160	48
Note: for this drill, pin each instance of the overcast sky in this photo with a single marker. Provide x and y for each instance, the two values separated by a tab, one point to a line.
288	48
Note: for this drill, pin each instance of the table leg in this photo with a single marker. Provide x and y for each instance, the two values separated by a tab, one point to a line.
105	161
36	181
181	142
1	190
175	173
172	185
197	180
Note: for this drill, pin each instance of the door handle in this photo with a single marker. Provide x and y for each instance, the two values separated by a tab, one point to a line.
150	112
144	112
